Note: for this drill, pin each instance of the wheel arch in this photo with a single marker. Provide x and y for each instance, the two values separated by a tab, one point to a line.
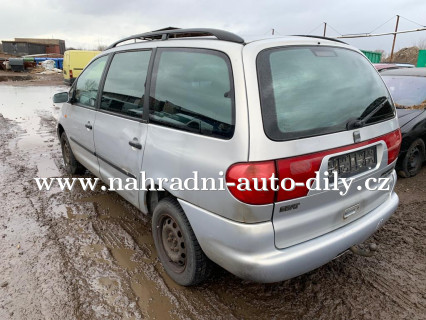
59	130
153	197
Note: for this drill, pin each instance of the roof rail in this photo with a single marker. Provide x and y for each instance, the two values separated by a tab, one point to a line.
182	33
319	37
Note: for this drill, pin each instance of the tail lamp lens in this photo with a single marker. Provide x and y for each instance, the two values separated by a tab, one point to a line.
393	141
244	173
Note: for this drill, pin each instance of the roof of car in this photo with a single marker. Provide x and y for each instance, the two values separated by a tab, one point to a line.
199	33
414	72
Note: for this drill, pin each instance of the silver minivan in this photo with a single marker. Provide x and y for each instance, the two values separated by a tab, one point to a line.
174	102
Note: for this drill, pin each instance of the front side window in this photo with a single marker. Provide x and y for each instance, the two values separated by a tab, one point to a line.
192	90
125	83
307	91
87	86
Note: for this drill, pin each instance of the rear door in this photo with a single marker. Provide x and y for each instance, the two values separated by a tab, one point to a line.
308	118
81	115
120	130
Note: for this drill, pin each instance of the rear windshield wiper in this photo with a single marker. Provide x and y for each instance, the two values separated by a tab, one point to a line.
370	111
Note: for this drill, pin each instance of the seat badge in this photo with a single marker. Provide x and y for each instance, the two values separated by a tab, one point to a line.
357	136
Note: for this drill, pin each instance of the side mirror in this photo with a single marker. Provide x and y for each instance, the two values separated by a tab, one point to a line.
61	97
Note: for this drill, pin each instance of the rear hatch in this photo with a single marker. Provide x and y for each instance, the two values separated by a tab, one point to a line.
325	112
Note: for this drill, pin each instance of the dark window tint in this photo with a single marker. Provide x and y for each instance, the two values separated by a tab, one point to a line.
87	86
308	91
125	83
192	90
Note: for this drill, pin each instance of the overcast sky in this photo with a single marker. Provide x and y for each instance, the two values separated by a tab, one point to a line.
89	23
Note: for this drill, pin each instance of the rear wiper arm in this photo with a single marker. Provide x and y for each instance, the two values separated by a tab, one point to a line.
370	111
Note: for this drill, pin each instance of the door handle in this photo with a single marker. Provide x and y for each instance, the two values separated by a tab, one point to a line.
88	126
135	144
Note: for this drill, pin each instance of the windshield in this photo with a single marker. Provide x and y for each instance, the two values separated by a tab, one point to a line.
307	91
407	91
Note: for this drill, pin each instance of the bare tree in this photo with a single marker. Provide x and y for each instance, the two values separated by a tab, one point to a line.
101	47
383	56
421	44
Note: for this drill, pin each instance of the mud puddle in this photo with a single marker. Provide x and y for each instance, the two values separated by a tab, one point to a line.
90	255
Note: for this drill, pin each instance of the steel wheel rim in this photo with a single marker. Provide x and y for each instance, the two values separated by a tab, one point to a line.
172	243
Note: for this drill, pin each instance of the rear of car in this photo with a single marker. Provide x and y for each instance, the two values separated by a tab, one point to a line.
314	106
74	63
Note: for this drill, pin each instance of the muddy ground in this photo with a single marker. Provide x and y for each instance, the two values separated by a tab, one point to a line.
34	77
90	255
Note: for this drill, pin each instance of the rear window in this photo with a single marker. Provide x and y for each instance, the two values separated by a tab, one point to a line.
307	91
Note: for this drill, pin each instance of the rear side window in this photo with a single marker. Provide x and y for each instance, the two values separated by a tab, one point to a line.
308	91
192	90
125	83
87	86
407	91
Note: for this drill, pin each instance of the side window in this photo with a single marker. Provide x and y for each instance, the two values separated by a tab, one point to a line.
87	86
192	90
125	83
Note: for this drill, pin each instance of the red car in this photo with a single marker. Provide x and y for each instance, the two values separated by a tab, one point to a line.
383	66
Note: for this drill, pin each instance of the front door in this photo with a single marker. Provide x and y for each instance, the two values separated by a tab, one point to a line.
81	114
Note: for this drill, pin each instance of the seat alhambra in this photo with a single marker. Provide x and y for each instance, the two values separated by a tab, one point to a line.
296	139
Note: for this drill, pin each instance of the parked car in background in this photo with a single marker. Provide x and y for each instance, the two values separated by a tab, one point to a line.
405	65
207	101
408	89
74	63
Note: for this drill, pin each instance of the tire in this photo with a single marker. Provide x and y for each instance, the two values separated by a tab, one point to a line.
176	244
413	160
72	166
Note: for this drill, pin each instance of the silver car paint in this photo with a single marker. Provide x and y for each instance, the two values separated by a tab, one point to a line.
248	250
80	137
117	159
173	153
238	236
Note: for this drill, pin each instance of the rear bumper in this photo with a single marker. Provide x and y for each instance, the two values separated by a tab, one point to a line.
248	250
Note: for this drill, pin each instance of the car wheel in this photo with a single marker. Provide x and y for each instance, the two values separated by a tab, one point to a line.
413	160
177	246
72	166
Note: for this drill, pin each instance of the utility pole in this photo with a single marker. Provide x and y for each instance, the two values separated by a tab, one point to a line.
273	31
394	37
325	28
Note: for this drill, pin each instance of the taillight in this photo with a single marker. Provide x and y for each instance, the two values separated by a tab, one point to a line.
245	172
70	73
299	169
393	141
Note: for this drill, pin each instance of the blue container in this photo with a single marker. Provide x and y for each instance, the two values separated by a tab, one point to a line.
61	63
39	60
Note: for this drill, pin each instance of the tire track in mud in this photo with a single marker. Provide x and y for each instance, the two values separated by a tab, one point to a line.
19	214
